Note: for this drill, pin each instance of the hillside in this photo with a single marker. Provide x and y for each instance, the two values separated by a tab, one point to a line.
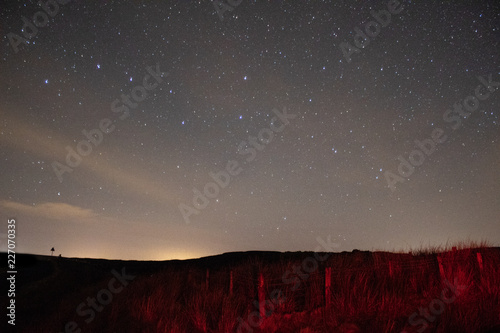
359	291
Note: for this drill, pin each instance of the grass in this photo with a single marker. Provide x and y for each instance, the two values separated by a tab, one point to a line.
370	292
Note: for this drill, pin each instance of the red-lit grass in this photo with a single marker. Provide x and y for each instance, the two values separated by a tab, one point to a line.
370	292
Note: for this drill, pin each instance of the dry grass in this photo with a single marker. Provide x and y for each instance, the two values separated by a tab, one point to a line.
370	292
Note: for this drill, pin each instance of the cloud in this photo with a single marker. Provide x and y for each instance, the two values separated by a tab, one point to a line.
50	146
51	210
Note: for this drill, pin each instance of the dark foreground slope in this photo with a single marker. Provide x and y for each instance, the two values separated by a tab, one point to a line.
455	291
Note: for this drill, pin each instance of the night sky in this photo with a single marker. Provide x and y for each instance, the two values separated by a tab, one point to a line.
302	121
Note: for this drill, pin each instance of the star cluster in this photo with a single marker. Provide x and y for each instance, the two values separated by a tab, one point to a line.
199	85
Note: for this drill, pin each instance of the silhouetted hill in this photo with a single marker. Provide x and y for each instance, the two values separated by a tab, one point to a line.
320	292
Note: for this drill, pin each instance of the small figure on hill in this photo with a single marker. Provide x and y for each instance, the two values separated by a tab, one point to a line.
52	249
